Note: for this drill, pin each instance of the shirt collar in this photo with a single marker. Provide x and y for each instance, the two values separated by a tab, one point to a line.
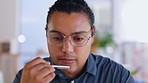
91	66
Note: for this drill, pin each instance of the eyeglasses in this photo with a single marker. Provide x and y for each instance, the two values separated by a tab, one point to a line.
77	39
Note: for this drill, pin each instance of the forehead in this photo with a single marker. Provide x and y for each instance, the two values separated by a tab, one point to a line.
68	23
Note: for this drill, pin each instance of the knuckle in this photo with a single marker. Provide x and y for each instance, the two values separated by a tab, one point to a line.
38	58
50	69
31	72
38	79
26	65
53	74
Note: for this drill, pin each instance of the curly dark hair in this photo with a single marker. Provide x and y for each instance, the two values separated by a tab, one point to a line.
71	6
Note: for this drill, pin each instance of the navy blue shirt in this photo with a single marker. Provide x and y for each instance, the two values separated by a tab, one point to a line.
98	69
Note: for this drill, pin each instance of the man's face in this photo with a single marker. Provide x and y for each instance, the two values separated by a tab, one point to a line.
68	54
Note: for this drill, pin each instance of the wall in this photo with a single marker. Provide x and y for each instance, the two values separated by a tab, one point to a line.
9	22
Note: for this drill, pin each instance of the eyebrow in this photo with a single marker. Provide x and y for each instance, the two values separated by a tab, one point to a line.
56	31
71	34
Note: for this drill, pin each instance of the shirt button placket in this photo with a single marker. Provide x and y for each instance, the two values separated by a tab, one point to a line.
72	81
61	75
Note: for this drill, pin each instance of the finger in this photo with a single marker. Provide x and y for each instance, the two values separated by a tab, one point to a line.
40	66
35	70
46	71
48	78
34	62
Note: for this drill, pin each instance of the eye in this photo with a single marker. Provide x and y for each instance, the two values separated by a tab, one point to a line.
55	37
78	38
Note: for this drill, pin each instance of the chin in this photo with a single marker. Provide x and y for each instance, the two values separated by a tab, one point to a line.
70	70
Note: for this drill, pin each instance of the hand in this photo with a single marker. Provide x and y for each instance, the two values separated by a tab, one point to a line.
37	71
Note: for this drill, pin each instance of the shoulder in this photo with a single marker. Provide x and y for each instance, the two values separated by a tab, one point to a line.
18	77
111	69
105	62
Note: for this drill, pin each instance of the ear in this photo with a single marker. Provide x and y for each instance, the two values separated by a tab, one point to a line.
93	32
92	39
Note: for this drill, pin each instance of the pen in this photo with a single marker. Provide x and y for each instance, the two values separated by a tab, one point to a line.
60	67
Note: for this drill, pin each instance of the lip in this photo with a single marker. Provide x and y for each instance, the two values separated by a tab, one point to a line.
66	61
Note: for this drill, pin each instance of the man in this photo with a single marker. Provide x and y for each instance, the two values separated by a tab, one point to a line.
70	32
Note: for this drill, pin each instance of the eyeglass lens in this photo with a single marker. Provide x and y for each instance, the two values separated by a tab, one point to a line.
57	38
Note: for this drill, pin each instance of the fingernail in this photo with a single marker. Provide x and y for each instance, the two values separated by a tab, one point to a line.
49	63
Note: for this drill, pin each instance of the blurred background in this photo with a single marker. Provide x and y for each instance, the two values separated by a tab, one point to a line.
121	34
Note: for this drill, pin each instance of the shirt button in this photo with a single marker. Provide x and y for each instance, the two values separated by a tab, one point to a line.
61	75
72	81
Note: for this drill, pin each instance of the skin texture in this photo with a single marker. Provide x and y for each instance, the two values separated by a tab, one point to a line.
37	71
40	71
69	55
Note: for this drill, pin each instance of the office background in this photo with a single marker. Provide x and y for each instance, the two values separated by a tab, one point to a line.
122	24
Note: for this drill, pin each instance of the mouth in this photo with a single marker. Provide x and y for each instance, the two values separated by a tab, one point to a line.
67	61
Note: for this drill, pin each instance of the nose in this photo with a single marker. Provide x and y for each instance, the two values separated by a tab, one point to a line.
67	46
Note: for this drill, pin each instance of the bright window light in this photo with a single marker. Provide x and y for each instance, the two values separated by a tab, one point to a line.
135	20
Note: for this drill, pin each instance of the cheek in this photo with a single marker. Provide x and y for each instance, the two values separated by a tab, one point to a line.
53	51
83	52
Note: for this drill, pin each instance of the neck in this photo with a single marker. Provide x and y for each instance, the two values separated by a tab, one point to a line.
75	74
